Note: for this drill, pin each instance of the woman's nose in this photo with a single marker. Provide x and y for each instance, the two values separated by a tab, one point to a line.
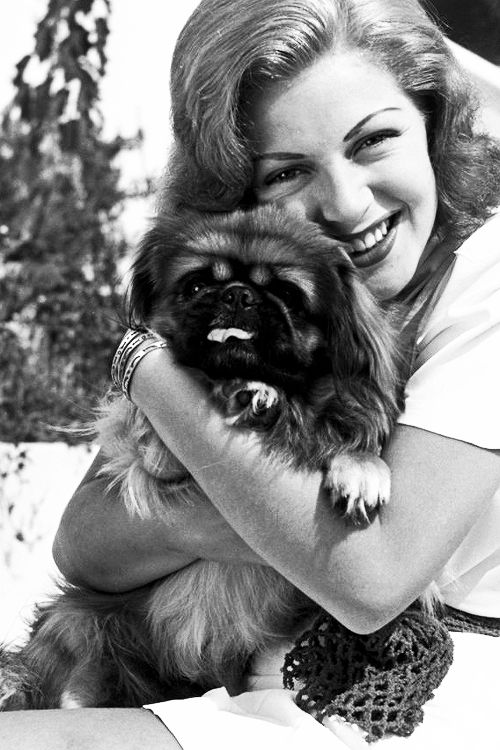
343	197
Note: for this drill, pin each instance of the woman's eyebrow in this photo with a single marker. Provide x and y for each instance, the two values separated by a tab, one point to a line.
278	156
355	130
285	155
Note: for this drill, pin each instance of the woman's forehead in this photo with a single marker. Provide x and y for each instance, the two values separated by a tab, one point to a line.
339	90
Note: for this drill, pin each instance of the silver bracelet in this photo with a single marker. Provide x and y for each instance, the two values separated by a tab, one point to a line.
132	348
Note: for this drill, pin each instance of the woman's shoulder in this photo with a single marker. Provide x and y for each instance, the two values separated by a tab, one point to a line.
474	283
453	389
482	247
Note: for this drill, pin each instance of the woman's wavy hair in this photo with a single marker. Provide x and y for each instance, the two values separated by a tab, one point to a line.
230	50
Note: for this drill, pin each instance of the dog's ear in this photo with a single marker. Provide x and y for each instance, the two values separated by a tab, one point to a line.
141	292
160	244
362	339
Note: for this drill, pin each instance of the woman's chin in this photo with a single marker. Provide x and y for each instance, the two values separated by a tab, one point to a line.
383	283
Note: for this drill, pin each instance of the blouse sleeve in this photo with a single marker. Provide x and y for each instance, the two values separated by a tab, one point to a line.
455	389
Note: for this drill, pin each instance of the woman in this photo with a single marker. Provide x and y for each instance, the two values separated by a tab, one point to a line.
354	114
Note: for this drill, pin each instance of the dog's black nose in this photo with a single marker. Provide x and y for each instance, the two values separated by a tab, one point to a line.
239	295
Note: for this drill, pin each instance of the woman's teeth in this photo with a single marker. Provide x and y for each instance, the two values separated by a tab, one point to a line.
367	241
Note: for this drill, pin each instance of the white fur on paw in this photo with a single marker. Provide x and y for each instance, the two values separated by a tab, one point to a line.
362	482
6	693
70	700
264	396
243	397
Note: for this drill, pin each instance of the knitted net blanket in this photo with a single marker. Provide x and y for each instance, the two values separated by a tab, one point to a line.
378	681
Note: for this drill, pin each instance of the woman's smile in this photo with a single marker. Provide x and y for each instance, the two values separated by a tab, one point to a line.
372	245
344	146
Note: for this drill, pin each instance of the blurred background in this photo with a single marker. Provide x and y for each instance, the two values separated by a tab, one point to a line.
84	137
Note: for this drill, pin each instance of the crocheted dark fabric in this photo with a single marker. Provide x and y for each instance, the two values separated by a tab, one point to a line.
463	622
378	681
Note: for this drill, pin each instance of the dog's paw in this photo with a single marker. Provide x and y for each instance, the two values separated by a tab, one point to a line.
248	403
359	485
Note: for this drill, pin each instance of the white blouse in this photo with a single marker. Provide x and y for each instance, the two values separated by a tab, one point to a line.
455	392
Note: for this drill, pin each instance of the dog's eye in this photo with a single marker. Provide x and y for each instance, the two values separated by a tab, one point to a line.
193	288
290	295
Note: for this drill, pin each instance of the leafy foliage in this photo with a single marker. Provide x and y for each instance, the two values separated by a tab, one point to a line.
60	245
18	525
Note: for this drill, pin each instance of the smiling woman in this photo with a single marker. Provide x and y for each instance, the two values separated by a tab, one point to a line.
354	115
357	166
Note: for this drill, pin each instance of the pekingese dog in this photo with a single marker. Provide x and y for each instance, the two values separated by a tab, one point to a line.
291	344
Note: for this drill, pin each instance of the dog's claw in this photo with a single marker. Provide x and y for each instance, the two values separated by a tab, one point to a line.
264	397
248	403
359	484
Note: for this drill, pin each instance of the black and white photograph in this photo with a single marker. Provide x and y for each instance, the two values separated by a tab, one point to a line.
249	357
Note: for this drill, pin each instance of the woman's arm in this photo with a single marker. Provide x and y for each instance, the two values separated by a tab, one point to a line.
82	729
98	544
364	577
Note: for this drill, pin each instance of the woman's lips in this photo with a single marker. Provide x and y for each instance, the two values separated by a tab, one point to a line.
378	252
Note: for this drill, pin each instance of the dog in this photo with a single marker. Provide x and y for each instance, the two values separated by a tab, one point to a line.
292	345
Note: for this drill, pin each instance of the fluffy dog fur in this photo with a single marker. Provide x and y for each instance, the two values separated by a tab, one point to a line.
292	345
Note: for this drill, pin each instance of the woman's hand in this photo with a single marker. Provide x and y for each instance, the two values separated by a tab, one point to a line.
99	545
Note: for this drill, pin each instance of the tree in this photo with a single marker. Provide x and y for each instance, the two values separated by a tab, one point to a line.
60	243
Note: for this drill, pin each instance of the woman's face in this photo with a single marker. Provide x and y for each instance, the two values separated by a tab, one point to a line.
342	145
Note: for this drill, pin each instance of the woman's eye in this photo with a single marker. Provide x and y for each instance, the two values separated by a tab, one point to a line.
377	139
284	175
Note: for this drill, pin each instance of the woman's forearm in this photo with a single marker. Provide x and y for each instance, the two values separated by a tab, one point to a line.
98	544
81	729
257	496
362	576
282	514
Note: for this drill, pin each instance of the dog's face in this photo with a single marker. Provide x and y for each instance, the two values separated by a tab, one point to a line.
240	319
248	295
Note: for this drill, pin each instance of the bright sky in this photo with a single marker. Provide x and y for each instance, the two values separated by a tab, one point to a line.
135	89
